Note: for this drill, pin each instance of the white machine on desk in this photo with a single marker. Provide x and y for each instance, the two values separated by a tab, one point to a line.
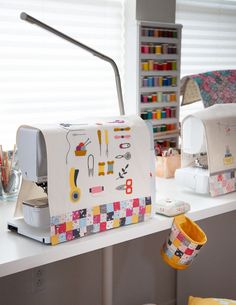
209	151
100	202
194	173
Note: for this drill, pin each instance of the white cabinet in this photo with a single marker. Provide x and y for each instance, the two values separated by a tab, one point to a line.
159	50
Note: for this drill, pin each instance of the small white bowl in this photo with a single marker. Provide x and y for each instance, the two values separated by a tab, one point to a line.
36	213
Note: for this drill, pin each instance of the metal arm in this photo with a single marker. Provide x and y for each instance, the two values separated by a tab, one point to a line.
31	19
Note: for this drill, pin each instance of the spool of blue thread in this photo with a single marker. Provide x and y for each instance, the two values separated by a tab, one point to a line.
149	114
163	114
165	81
169	80
149	81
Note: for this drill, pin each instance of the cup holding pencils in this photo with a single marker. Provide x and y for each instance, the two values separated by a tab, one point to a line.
9	173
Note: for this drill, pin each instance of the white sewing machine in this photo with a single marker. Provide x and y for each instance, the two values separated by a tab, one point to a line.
194	173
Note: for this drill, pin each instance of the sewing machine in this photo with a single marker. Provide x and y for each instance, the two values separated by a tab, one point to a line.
194	173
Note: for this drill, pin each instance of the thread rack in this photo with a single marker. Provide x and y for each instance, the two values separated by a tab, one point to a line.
159	54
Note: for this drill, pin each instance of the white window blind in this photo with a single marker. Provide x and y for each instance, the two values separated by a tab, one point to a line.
208	38
44	79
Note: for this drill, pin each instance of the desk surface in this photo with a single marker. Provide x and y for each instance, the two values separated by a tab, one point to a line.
18	253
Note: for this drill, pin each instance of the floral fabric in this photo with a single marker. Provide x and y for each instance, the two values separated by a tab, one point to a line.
216	87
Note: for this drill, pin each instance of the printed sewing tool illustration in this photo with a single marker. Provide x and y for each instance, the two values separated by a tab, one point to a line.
96	189
106	141
228	158
101	168
123	172
126	156
90	164
110	167
127	187
99	133
125	145
76	132
75	192
122	137
122	129
81	148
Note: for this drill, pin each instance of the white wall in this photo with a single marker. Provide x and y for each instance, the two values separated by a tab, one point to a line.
156	10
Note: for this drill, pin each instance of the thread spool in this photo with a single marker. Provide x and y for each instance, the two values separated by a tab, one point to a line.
168	112
169	65
158	114
145	66
150	64
154	115
172	97
156	33
173	112
165	82
144	98
146	49
174	65
165	66
158	49
152	49
145	82
174	81
156	81
165	47
154	98
149	97
163	114
144	115
159	96
150	81
149	114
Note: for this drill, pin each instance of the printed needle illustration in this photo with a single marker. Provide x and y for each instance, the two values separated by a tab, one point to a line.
100	140
106	141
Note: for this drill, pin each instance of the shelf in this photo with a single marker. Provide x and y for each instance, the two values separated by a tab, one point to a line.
163	72
159	57
158	75
163	121
162	89
159	39
166	134
151	105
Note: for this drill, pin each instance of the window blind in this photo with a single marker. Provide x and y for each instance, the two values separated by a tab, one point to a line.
208	38
44	79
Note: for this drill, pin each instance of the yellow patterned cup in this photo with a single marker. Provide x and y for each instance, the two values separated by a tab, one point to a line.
183	244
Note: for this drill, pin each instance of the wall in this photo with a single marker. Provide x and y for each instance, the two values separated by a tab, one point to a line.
156	10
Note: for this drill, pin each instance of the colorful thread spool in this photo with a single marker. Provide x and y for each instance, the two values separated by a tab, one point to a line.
158	49
101	168
110	167
158	114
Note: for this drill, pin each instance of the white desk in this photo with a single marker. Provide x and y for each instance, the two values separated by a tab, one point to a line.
18	253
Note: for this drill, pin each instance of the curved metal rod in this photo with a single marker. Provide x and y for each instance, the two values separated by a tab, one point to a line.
33	20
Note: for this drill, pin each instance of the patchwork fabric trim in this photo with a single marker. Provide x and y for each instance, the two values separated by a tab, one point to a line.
222	183
88	221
